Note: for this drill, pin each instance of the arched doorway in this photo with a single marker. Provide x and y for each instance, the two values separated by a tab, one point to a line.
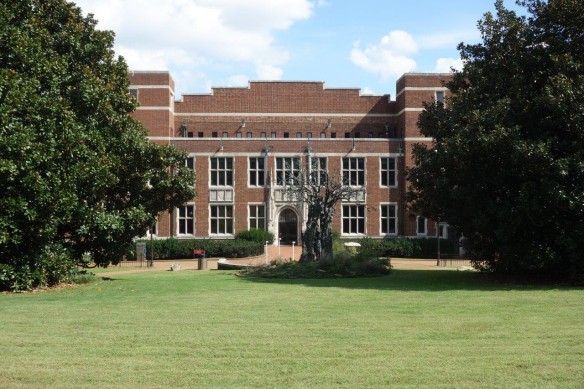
288	226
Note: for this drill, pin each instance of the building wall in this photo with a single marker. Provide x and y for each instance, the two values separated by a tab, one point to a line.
270	120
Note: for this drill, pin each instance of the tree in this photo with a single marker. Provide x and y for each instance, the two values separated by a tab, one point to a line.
77	173
506	166
320	191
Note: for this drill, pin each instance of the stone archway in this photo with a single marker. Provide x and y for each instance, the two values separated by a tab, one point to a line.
288	226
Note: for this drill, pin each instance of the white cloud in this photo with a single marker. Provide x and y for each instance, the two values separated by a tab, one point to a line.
368	91
443	65
153	34
389	58
238	80
268	72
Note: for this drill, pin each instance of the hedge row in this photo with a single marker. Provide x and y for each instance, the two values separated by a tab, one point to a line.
178	249
407	247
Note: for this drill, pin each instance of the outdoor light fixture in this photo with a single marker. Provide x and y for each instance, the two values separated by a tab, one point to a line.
242	125
184	129
328	124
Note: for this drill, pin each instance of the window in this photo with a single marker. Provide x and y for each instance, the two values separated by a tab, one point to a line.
440	97
238	134
190	134
201	134
357	135
272	134
323	134
421	223
286	135
221	219
309	135
286	169
190	163
298	135
318	170
347	134
221	171
353	219
387	171
224	134
388	219
134	93
263	135
249	135
354	171
214	134
370	134
333	135
443	230
257	217
186	220
256	171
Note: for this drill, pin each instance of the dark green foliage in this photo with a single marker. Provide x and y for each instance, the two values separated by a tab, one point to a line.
364	264
178	249
506	169
76	171
256	235
406	247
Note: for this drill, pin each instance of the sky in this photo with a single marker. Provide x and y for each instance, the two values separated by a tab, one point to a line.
366	44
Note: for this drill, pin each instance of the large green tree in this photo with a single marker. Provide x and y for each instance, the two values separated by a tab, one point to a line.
77	173
506	167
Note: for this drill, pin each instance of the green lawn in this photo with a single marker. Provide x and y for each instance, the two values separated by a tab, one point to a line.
211	329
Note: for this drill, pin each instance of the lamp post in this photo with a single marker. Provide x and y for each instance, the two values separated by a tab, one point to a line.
293	256
266	251
438	243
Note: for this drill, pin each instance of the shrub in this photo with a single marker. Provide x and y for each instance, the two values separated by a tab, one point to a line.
256	235
177	249
15	279
343	264
407	247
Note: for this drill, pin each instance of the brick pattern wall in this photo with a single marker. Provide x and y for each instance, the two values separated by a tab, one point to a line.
221	122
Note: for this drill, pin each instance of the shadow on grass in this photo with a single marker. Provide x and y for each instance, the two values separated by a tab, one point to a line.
417	280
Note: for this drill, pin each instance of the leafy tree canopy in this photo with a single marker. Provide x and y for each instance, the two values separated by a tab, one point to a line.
77	173
506	167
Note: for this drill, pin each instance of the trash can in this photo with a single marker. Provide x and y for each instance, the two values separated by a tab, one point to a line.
201	257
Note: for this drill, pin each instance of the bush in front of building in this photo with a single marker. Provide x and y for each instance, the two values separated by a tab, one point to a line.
179	249
406	247
256	235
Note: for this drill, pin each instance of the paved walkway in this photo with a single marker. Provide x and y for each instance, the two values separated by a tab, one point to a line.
285	252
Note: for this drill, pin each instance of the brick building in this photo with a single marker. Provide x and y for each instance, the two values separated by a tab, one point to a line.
243	141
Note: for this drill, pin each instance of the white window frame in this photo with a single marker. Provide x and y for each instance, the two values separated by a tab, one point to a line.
358	171
316	167
256	218
289	168
381	219
221	171
256	172
186	218
387	172
425	232
361	214
225	218
439	99
442	229
190	158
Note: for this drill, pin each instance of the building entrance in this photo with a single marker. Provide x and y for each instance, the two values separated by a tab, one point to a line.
288	227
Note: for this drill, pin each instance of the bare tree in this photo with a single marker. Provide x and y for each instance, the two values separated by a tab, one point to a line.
314	186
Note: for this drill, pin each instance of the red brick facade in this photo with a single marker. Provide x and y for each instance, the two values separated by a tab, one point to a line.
235	137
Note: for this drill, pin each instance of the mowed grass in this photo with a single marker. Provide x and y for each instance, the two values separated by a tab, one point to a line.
418	329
